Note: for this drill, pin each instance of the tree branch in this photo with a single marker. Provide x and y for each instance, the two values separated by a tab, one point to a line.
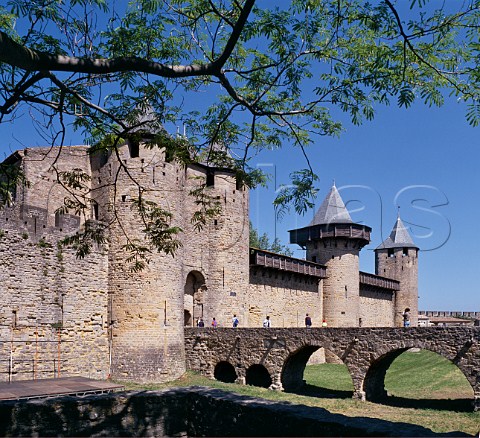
235	35
22	57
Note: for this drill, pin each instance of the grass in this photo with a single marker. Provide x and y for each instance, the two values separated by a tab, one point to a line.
440	380
412	376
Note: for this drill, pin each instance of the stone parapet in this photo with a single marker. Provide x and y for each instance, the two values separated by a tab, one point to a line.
186	412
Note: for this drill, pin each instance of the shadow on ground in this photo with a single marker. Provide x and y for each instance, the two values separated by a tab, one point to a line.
320	392
457	405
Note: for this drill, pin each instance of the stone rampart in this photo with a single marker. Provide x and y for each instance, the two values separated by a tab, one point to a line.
54	318
285	296
377	307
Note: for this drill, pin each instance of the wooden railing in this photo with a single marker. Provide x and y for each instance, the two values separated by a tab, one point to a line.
378	281
272	260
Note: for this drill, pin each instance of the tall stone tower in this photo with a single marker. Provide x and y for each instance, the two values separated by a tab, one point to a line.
334	240
397	258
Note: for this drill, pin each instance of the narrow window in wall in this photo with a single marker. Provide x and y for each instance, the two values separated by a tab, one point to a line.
95	210
58	219
134	148
210	178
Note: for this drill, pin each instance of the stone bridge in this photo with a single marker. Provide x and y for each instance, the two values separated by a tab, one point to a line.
276	357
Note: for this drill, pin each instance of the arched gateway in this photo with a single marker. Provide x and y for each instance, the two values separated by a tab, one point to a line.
193	298
367	352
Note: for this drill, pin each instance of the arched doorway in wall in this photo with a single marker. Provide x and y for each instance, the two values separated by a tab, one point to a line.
416	378
327	376
193	298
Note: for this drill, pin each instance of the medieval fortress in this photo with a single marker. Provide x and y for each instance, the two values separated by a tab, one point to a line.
95	317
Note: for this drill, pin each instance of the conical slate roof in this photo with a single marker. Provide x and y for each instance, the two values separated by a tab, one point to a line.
332	210
399	237
145	120
217	155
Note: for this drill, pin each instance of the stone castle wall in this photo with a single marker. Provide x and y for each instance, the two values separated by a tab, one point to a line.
285	296
53	319
110	320
140	315
220	250
377	307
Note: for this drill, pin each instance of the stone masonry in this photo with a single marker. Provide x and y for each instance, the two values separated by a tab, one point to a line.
96	317
281	354
187	412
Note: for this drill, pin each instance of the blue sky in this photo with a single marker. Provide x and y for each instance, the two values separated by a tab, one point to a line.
426	160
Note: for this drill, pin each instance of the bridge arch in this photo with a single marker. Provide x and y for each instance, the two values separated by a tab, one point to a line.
294	367
292	373
258	375
374	381
225	372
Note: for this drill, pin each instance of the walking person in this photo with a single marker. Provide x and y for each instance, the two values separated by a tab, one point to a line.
308	321
406	317
214	323
235	321
267	323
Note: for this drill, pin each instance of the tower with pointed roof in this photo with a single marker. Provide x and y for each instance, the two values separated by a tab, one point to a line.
334	240
397	257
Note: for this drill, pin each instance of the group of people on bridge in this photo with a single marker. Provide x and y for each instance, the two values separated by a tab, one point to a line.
266	323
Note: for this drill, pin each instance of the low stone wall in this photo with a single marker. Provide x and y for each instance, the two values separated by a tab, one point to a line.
186	412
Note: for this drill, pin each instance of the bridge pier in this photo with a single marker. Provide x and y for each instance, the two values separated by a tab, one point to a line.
359	395
277	383
241	381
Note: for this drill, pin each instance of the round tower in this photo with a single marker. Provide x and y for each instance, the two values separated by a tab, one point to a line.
397	258
334	240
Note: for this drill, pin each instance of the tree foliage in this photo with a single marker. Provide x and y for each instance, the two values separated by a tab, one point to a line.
242	74
263	242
